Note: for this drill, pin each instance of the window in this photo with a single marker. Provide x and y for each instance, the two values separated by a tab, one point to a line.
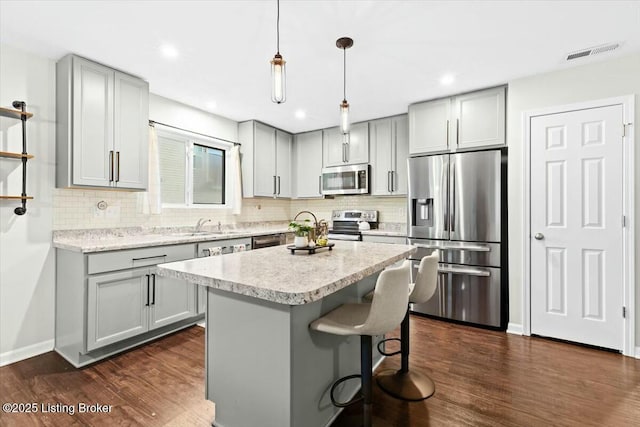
192	170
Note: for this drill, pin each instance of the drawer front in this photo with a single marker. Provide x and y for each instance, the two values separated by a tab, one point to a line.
226	246
132	258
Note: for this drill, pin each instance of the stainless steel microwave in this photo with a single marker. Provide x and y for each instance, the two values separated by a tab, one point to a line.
346	180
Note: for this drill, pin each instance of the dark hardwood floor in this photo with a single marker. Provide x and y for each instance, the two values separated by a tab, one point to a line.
483	378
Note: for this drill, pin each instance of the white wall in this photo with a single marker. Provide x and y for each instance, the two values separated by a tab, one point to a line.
173	113
617	77
27	268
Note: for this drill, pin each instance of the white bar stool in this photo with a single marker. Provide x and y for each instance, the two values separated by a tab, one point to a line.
382	315
404	384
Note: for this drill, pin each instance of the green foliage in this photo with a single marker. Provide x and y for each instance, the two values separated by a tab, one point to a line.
301	229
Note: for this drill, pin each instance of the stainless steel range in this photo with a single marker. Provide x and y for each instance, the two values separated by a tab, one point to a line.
346	224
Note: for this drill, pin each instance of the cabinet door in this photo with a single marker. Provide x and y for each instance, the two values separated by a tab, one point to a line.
171	300
283	163
358	147
401	154
429	126
481	118
381	156
117	307
264	160
333	147
92	114
131	131
307	162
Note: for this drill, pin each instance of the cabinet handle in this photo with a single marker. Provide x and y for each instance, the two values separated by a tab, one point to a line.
147	304
343	158
148	257
278	185
153	300
117	166
346	152
320	184
274	185
388	181
110	165
393	181
447	141
457	131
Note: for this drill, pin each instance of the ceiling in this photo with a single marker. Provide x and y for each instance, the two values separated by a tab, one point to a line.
401	48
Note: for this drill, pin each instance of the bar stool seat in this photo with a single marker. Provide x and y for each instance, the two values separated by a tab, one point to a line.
382	315
404	384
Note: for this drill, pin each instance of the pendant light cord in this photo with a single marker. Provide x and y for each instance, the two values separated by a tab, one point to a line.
344	74
278	29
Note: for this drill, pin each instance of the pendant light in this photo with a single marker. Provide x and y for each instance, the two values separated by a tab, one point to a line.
278	74
344	43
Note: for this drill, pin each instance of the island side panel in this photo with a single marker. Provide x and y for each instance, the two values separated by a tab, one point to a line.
248	360
318	359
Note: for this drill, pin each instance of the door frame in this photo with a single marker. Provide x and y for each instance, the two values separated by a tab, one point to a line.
628	249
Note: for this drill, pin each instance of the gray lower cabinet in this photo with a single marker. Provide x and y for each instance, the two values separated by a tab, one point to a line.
110	301
172	300
116	307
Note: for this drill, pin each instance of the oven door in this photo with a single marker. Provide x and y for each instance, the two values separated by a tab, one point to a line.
345	236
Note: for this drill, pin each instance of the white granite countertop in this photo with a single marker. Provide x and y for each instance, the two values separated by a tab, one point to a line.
90	241
392	233
273	274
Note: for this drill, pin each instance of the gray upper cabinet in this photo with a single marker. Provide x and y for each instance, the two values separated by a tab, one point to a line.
338	152
389	142
266	160
481	118
307	162
466	121
102	126
429	124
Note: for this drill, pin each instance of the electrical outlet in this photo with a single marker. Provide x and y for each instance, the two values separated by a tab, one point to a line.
402	212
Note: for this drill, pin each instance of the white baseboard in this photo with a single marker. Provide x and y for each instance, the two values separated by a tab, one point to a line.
17	355
514	328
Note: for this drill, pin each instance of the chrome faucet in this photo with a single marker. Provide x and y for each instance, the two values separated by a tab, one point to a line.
201	222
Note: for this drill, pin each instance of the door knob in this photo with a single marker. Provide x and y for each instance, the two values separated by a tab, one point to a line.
539	236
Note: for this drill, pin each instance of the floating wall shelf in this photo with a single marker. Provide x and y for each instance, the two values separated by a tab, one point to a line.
21	115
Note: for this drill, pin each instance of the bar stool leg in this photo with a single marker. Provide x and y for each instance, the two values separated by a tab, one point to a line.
403	384
366	368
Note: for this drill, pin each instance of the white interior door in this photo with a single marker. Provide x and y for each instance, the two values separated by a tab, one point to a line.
576	226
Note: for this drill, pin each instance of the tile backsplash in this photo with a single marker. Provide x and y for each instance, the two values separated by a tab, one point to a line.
78	209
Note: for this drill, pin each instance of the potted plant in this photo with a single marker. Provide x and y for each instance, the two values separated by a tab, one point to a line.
301	231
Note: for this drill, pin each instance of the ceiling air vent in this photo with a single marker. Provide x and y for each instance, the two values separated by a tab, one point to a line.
592	51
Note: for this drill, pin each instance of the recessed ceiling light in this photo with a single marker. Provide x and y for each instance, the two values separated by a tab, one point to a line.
300	114
447	79
169	51
211	105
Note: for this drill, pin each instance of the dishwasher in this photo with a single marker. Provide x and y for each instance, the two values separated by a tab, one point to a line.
267	240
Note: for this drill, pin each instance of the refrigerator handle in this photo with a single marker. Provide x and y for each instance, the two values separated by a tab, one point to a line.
452	218
445	204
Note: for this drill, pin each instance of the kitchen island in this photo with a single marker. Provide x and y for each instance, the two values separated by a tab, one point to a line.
263	364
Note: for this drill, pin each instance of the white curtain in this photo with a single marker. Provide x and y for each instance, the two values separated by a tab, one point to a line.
150	202
236	181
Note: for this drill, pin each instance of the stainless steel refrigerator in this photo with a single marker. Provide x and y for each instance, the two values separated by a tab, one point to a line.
457	204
